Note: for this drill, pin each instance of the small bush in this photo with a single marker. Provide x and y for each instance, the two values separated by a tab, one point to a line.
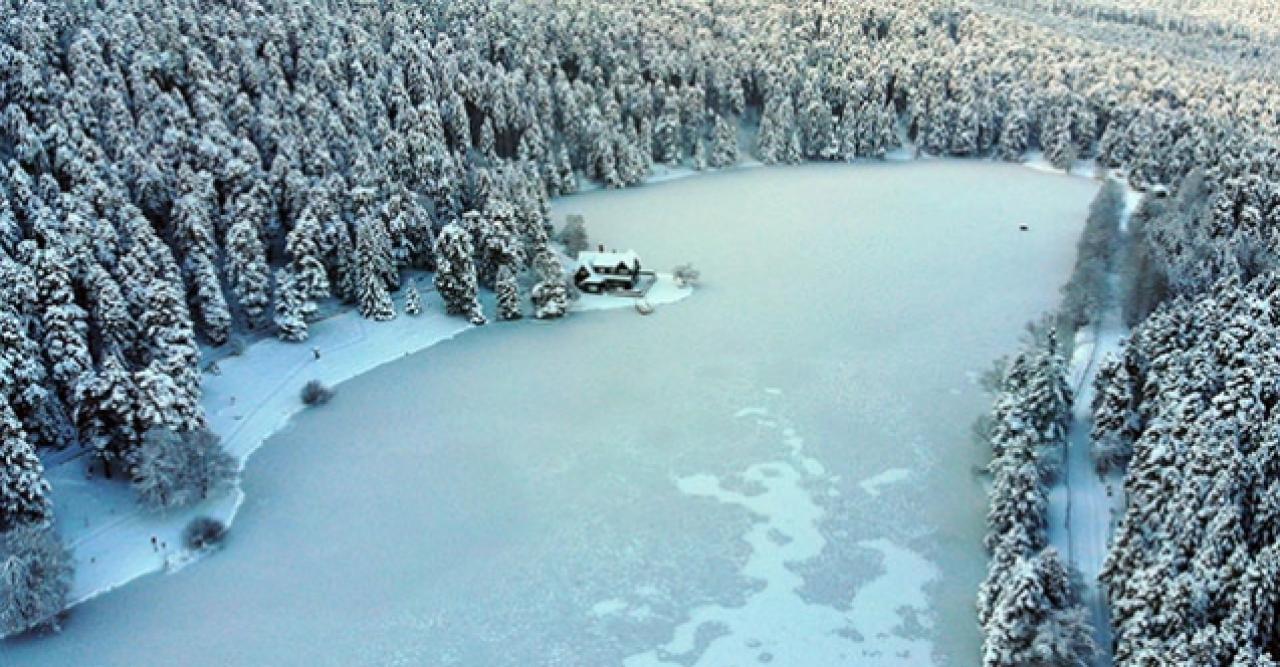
686	274
203	532
316	393
35	575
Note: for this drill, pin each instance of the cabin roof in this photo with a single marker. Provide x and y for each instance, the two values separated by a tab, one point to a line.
608	259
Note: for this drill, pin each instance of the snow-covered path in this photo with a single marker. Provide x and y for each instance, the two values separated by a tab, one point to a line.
1082	508
250	397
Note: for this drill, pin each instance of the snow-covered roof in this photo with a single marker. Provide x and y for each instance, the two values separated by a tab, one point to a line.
608	259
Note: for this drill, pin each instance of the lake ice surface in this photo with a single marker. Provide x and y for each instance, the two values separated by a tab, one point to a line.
777	469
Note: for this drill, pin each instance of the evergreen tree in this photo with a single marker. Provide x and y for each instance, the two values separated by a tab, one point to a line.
724	144
66	346
455	278
24	492
247	270
550	295
374	299
290	319
412	300
508	291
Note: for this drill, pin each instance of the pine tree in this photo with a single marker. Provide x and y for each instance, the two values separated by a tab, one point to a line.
66	346
1115	422
23	380
374	299
508	291
666	134
724	144
550	296
171	351
290	320
412	300
455	278
215	318
24	492
305	265
108	310
105	410
247	270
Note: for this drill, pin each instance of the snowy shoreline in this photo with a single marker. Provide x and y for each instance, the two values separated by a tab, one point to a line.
251	397
111	536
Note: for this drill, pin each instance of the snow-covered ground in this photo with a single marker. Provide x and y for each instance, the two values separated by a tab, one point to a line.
618	487
250	397
1084	506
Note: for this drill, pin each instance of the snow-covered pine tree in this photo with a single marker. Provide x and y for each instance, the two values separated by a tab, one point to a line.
23	380
105	410
247	270
171	350
373	298
111	325
1115	419
215	318
412	300
773	141
724	143
290	313
508	291
24	491
304	246
455	278
667	131
64	322
550	295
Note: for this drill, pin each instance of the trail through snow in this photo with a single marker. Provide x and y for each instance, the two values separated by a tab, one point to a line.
1084	506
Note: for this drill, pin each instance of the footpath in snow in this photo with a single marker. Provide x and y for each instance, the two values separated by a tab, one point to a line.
250	397
1084	506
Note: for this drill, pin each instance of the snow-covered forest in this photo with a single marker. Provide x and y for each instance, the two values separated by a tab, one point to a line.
177	176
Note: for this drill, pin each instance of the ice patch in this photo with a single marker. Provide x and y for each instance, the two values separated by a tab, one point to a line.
608	607
891	476
776	624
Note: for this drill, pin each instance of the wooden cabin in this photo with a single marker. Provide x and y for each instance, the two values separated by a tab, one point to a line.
602	271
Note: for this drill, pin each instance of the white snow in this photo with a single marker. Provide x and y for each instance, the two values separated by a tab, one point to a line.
872	485
253	395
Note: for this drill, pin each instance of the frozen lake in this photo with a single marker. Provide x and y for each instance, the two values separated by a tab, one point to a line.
777	469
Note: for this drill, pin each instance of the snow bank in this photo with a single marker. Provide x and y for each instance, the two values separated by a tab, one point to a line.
250	397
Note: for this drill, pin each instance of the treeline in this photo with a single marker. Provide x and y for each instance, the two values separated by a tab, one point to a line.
1190	407
1088	290
1028	607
